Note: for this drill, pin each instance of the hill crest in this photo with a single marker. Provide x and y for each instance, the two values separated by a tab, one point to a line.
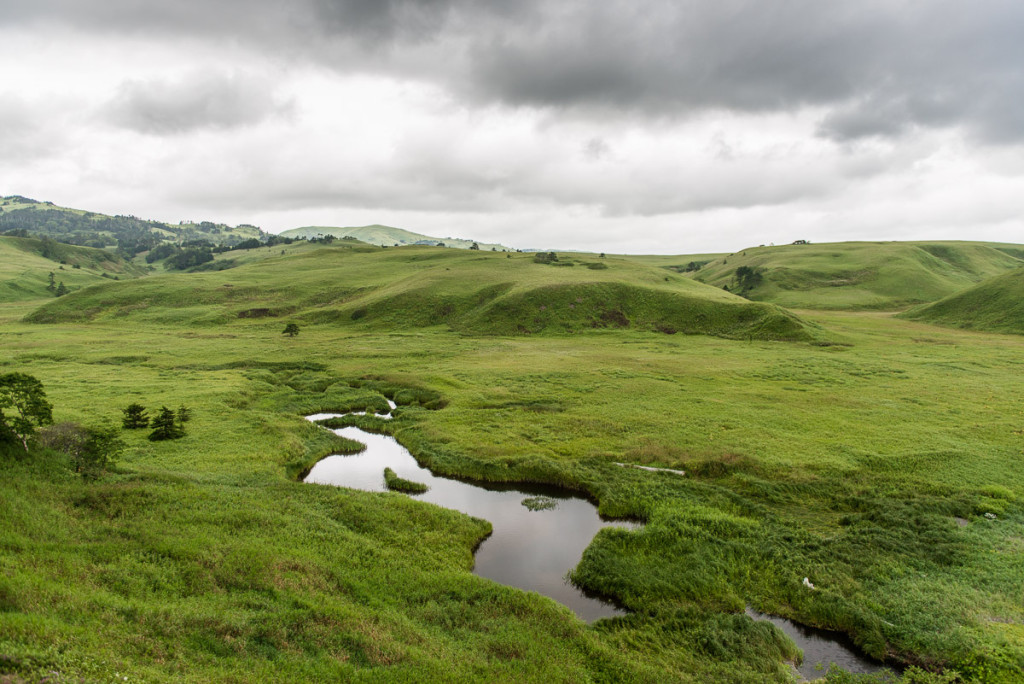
388	236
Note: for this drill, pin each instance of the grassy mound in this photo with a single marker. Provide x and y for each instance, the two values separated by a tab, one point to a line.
477	293
995	305
859	275
25	265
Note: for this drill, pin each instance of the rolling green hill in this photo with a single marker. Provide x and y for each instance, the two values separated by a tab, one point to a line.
860	275
128	233
25	265
386	236
994	305
415	287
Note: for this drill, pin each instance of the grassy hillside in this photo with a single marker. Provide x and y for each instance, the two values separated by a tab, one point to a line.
995	305
386	236
414	287
861	275
25	265
129	233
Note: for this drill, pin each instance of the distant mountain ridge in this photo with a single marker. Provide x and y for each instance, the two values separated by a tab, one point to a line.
388	236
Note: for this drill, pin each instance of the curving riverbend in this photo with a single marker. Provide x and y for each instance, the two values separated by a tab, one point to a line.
535	549
529	549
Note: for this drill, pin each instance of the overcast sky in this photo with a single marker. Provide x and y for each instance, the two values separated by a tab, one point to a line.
640	126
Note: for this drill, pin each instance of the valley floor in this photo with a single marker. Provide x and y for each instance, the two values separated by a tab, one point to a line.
885	466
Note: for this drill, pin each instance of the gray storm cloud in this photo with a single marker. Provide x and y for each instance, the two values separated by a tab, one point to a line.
878	67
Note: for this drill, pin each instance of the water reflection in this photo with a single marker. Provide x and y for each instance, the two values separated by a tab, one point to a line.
821	648
532	550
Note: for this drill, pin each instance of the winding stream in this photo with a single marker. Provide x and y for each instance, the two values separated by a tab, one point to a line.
535	549
529	549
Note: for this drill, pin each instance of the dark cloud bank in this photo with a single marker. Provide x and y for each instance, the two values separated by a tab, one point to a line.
876	68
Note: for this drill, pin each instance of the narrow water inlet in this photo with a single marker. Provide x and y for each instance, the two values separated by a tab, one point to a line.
821	648
529	549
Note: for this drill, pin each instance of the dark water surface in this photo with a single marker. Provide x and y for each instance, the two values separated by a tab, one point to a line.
532	550
821	648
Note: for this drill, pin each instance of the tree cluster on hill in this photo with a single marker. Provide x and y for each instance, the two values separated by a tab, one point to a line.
166	424
131	235
747	278
26	417
545	258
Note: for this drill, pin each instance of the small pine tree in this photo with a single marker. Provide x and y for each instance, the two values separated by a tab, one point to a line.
184	415
134	417
52	284
291	330
61	290
164	426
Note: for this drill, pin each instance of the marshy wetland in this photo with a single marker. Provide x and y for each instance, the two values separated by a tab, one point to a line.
539	534
876	456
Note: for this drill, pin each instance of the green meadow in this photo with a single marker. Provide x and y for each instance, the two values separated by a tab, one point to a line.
877	456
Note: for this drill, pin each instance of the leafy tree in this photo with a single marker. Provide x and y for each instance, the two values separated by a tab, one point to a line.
165	426
188	258
67	438
135	417
474	246
102	447
291	330
61	290
545	258
161	252
748	278
25	395
92	449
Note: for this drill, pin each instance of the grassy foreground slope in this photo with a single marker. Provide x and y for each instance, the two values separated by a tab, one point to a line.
25	265
862	275
995	305
416	287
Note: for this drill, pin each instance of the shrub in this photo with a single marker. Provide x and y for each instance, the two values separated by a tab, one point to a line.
93	450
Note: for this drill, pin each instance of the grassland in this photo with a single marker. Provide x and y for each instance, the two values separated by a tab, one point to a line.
24	271
863	275
996	305
204	560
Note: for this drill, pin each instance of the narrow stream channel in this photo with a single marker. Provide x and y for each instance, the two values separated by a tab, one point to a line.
534	549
